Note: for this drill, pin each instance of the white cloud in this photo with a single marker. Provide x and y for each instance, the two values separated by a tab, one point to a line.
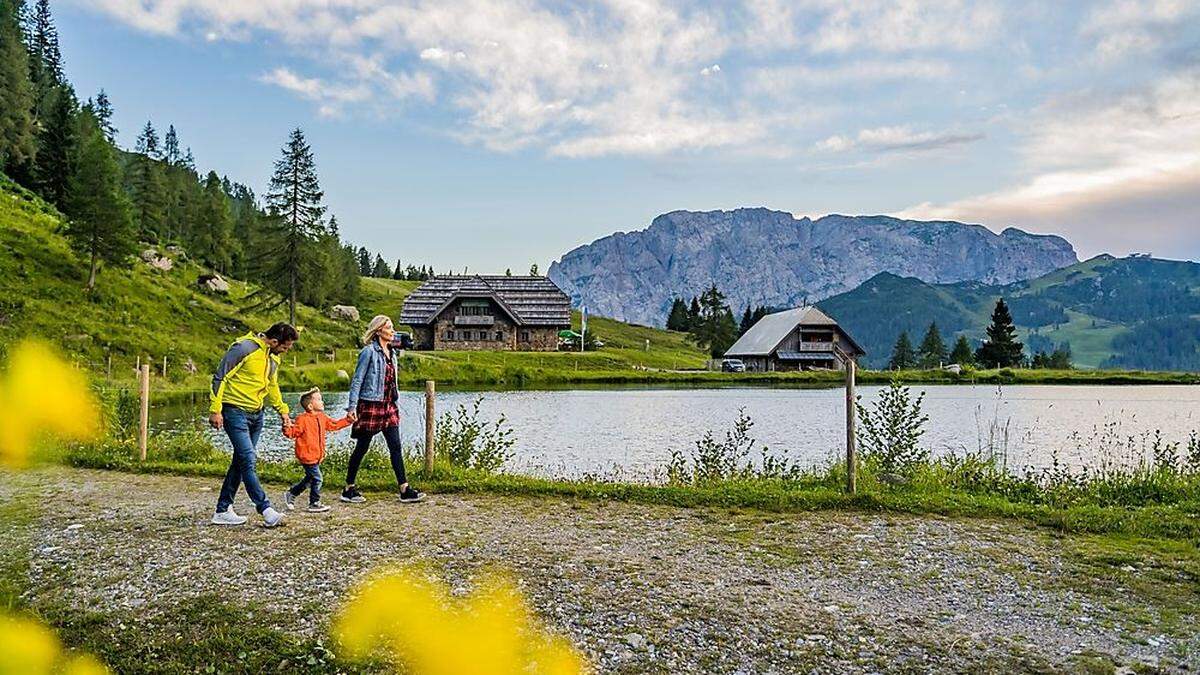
896	139
1121	173
710	70
1123	28
905	25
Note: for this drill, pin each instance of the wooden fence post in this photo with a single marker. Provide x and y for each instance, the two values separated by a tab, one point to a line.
851	435
430	420
164	372
144	419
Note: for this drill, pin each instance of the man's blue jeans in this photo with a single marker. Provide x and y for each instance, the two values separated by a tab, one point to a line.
243	429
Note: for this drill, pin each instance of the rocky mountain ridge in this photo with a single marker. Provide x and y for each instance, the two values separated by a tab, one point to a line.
758	256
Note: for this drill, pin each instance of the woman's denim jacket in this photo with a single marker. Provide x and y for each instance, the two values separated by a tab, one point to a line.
367	382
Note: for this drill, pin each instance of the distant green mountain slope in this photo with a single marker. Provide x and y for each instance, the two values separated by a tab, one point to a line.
1135	312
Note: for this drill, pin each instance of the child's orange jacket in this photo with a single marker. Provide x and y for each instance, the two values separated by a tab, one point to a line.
309	430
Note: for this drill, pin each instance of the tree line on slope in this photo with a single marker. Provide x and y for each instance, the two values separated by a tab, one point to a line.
1000	349
115	200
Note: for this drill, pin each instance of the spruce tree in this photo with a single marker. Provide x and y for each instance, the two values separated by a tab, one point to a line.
364	262
212	239
381	269
693	312
171	152
104	111
677	319
714	328
189	161
962	353
533	270
56	144
903	356
147	142
932	353
46	65
17	141
295	224
98	224
747	321
398	272
149	193
1000	349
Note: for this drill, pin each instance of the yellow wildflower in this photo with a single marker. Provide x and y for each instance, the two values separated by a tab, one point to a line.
29	648
428	632
41	394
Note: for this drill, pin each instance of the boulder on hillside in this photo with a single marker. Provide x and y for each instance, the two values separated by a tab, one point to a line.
161	264
343	313
212	283
342	375
149	255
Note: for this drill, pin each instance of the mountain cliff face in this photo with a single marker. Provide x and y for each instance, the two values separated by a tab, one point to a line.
764	257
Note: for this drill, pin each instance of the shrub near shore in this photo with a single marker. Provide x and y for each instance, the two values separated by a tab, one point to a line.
1155	494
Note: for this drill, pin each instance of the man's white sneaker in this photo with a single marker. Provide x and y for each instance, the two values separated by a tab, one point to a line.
228	517
272	518
289	499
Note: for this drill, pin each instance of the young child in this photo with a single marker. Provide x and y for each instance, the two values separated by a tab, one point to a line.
309	431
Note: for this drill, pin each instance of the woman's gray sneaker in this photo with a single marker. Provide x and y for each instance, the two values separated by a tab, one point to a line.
228	517
317	508
272	518
410	495
352	496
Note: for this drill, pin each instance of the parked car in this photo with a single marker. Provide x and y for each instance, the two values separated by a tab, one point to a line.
733	366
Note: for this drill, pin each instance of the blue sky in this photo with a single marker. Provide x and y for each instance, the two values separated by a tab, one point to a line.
490	134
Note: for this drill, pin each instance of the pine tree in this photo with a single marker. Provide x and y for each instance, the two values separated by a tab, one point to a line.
962	353
171	151
104	111
212	240
333	228
17	141
1000	349
903	356
932	353
148	190
294	204
533	270
99	224
56	144
189	161
398	272
677	319
693	312
364	262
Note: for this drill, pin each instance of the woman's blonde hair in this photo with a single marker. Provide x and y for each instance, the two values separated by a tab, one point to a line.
373	327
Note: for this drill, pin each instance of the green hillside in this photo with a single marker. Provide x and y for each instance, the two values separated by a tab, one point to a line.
147	313
1136	312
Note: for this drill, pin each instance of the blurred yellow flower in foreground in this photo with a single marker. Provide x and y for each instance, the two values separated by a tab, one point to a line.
428	632
40	393
29	648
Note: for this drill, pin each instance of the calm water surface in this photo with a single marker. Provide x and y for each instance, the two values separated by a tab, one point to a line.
631	431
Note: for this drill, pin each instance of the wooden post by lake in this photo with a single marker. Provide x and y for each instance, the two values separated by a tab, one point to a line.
144	417
851	436
430	420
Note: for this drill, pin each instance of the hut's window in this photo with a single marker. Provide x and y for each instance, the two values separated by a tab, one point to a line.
524	336
450	335
499	336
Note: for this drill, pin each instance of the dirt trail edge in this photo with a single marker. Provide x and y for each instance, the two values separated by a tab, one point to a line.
641	588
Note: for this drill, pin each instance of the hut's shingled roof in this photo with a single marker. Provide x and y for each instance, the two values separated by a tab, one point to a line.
766	334
532	301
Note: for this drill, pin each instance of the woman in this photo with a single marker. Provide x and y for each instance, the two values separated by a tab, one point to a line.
374	398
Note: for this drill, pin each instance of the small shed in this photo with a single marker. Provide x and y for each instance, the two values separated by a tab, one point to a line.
804	338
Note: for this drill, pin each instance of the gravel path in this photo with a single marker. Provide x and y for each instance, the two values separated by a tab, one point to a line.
639	588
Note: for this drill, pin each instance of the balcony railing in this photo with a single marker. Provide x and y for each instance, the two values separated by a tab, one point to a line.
814	347
473	320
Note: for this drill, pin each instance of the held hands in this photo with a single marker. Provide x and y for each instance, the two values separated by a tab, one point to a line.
287	421
352	417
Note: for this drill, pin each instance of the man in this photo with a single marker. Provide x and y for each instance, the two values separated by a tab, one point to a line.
247	376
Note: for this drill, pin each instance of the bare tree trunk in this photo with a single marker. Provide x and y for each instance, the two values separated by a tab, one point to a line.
91	282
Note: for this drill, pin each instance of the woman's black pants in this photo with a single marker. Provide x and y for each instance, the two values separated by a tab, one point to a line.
392	436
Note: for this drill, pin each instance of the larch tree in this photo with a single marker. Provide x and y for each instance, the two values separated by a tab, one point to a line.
99	225
17	139
295	222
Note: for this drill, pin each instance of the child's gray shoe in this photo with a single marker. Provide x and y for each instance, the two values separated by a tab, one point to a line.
317	508
228	517
272	518
289	499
